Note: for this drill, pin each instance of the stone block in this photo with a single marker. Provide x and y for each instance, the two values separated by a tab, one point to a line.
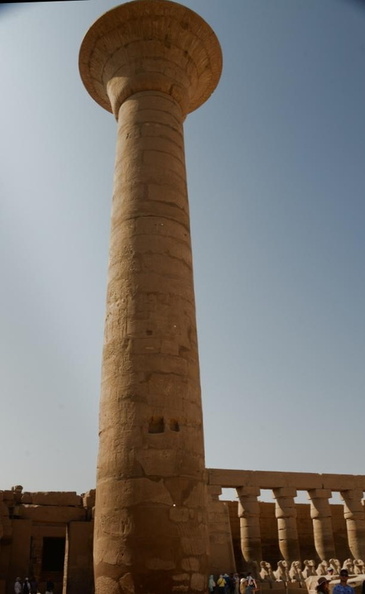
214	491
284	492
62	498
190	563
26	497
88	499
197	582
319	494
53	514
339	482
8	496
248	491
179	514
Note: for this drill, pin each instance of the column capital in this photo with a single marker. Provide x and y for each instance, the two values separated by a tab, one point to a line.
284	492
248	491
349	494
319	493
150	45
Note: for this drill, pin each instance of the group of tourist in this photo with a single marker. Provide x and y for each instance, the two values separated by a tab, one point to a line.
232	583
30	586
341	588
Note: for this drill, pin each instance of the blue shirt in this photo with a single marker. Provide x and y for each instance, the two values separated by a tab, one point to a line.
340	589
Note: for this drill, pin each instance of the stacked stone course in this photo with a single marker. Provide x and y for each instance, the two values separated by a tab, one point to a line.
150	63
27	520
159	524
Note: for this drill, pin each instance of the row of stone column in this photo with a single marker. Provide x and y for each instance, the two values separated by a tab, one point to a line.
286	515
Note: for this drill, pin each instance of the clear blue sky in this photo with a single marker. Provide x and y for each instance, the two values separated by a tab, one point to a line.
277	187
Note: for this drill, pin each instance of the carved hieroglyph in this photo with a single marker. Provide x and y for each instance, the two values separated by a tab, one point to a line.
150	62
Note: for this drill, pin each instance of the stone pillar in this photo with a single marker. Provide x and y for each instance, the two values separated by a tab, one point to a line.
355	521
150	62
249	514
286	515
322	522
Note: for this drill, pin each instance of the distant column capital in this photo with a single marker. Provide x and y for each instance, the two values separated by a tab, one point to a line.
281	492
319	494
352	494
248	492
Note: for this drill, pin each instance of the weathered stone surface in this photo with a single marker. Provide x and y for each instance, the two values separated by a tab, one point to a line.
177	54
88	499
285	512
107	585
26	497
50	513
78	575
151	63
224	530
61	498
8	496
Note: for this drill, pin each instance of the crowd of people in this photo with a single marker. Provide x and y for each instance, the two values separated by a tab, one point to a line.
225	583
232	583
235	583
30	586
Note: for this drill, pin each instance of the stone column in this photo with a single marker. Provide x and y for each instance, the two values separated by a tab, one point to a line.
322	522
355	521
150	62
249	514
286	515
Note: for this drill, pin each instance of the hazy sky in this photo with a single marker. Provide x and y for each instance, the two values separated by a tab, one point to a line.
276	181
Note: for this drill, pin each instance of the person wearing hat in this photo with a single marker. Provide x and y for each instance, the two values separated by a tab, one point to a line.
343	587
322	585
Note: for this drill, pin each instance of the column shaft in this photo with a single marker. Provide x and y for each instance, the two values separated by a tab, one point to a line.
322	522
151	500
249	514
355	522
286	514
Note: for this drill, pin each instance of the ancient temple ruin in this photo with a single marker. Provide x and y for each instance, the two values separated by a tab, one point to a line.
155	523
50	535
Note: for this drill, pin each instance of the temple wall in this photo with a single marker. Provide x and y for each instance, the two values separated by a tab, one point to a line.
269	532
50	535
